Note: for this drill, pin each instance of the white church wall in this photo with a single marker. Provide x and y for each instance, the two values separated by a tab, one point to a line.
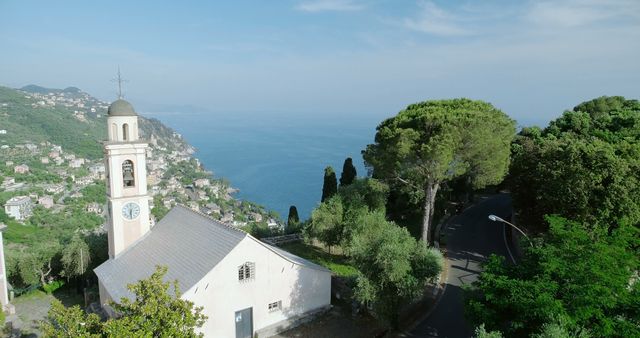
105	298
4	292
299	289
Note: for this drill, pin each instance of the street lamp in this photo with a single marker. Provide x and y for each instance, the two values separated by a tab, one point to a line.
498	219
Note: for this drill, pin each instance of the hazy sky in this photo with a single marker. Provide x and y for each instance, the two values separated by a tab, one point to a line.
532	59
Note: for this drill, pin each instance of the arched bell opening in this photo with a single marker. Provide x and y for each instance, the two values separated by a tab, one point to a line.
114	132
125	132
128	177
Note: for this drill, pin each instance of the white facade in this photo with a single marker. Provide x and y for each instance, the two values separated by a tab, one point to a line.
297	288
19	207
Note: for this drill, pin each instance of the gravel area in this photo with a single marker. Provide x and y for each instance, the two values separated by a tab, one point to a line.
337	322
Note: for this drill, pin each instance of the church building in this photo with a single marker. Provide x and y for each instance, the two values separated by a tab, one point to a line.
244	285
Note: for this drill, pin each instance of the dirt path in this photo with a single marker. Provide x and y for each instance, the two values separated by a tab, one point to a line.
33	307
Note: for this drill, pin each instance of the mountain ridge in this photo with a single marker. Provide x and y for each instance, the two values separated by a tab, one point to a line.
68	117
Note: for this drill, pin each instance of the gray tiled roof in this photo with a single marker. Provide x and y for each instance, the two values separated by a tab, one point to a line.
188	243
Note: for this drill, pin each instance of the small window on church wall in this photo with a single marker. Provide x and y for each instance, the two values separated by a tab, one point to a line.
125	132
246	272
275	306
128	174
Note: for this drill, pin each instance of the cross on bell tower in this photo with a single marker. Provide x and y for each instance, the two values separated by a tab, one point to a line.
120	81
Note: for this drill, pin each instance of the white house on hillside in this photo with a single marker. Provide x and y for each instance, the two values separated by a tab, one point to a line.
19	207
244	285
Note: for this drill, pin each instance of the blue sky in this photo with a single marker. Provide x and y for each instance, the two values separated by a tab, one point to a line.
533	59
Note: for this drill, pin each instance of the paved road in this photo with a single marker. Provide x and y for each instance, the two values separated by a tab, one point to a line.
471	239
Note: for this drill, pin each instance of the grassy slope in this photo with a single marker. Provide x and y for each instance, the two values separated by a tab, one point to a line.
338	264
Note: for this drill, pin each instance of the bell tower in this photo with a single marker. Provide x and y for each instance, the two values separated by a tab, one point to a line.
125	163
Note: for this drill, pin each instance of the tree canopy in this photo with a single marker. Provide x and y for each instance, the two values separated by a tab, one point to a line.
584	166
327	221
433	142
330	185
394	267
154	312
76	257
349	172
293	220
335	220
573	279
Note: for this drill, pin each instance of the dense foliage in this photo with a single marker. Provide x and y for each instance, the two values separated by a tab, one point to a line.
394	267
76	257
584	166
576	277
581	279
433	142
154	312
336	219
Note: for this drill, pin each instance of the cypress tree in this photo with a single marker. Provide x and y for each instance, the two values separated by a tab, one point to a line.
293	219
348	172
330	186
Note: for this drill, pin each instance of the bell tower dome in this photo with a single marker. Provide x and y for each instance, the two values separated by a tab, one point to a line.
125	162
123	122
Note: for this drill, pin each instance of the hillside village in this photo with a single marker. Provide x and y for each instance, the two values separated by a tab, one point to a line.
45	175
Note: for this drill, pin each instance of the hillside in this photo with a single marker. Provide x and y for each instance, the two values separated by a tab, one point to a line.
70	118
42	90
51	150
52	163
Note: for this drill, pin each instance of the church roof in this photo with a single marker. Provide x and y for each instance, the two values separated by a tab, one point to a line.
121	107
189	243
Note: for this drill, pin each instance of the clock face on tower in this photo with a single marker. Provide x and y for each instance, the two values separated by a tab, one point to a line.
130	210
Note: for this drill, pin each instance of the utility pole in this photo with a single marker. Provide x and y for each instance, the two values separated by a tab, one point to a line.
81	263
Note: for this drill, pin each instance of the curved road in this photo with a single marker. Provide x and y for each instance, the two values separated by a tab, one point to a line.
471	238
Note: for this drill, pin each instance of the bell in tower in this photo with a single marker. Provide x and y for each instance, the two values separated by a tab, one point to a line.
127	174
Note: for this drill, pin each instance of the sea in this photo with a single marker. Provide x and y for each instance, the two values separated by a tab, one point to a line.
275	160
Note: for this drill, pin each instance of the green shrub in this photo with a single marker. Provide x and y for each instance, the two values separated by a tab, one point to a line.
53	286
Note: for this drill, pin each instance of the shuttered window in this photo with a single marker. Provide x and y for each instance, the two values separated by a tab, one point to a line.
246	272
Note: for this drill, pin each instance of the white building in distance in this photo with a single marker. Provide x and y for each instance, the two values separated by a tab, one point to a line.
19	207
245	286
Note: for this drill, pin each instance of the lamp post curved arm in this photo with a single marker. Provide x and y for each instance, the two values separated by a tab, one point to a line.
498	219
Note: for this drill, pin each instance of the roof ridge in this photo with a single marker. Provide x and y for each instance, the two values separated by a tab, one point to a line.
275	249
201	214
